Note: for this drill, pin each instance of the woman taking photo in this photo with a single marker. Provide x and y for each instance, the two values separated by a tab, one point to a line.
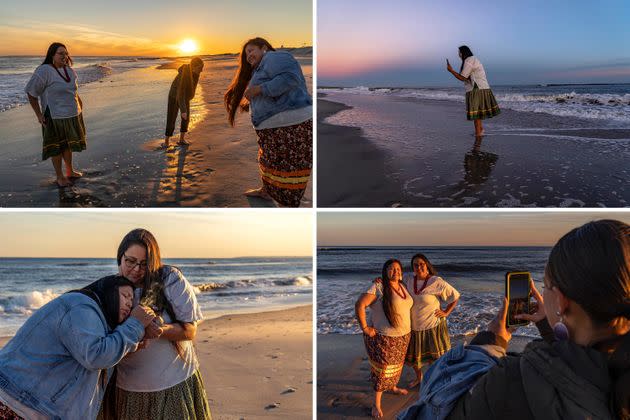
282	114
57	365
59	111
386	337
429	331
162	379
480	101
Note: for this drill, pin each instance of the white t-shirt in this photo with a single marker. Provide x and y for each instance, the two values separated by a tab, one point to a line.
402	308
474	69
428	301
54	92
158	366
287	118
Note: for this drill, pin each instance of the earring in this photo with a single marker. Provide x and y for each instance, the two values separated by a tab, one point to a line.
560	331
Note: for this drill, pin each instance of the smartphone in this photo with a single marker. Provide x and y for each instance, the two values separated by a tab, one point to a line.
518	293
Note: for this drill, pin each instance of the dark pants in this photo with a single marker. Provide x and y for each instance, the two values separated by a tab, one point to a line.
171	116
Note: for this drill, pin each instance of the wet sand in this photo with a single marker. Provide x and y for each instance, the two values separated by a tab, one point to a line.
125	116
344	390
257	365
429	157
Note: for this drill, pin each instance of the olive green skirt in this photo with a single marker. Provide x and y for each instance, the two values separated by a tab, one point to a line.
481	104
185	401
62	133
428	345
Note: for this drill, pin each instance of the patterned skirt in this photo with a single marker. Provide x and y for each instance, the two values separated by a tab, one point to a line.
428	345
285	158
62	133
387	357
186	401
481	104
7	414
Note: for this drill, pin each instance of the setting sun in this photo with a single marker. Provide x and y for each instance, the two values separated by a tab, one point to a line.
188	46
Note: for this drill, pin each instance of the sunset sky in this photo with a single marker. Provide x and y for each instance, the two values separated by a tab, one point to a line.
150	27
407	42
180	234
451	228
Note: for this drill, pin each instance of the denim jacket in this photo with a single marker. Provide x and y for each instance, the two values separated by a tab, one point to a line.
56	360
283	86
449	378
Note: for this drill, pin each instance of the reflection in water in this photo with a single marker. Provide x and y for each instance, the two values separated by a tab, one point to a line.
478	164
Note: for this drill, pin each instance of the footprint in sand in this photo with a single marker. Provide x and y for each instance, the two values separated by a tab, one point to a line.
289	390
272	406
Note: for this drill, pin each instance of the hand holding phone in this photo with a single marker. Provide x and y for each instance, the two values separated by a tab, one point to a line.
517	292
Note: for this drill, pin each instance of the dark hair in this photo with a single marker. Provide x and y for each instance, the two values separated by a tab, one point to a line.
196	61
432	270
465	54
52	50
591	266
388	303
105	293
233	98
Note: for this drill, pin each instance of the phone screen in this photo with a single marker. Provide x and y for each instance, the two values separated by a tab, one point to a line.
518	294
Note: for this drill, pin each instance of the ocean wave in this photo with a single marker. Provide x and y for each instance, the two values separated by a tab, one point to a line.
253	283
26	303
93	72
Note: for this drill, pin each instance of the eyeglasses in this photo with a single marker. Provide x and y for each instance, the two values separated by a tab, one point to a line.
132	263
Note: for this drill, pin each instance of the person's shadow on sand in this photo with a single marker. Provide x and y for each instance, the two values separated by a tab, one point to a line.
478	164
72	196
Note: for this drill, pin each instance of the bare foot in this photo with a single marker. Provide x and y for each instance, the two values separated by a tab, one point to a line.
414	383
399	391
258	192
377	413
63	182
183	143
74	174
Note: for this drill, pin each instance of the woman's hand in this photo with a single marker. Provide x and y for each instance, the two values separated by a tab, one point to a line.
41	119
369	331
439	313
252	91
448	66
497	325
538	313
184	115
143	314
154	329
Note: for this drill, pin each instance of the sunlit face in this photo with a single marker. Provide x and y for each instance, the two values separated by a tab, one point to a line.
394	272
420	268
254	54
196	68
133	264
60	58
125	296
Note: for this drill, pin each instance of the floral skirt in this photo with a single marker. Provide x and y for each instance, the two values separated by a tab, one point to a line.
387	357
62	133
428	345
185	401
7	414
481	104
285	159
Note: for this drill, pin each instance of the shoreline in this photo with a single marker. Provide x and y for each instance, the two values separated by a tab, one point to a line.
344	390
432	159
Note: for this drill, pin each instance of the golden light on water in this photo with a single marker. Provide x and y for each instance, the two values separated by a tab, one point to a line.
188	46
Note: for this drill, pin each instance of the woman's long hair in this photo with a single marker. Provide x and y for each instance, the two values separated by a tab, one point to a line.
430	268
52	50
465	51
388	302
233	98
591	266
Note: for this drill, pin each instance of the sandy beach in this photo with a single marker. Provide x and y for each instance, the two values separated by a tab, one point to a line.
344	390
422	153
125	116
257	365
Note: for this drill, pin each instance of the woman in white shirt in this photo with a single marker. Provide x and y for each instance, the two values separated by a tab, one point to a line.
387	334
429	332
54	82
480	101
162	379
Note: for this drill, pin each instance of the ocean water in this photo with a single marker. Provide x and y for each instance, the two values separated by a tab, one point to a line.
608	104
223	285
478	273
15	73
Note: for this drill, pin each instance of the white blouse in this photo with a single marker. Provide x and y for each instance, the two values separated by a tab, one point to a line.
474	69
402	308
54	93
426	302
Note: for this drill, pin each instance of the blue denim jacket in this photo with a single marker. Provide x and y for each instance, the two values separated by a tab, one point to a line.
55	361
449	378
283	86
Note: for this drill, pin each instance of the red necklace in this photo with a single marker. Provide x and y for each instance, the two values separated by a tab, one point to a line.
403	295
65	70
415	285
